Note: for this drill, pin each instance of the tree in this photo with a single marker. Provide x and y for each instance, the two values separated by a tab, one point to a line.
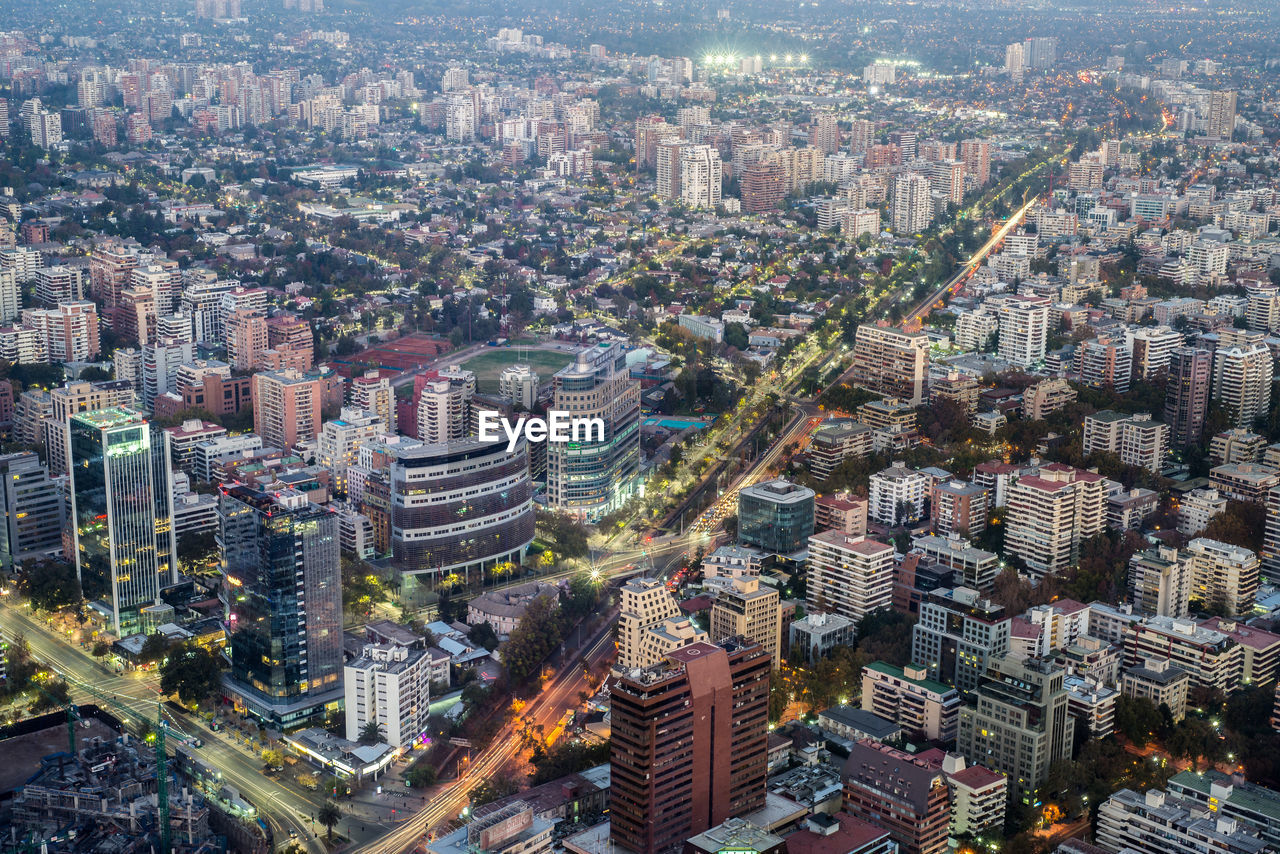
420	776
191	671
492	789
1137	719
51	586
566	757
535	637
52	695
371	733
1241	523
329	815
483	635
153	648
101	649
272	758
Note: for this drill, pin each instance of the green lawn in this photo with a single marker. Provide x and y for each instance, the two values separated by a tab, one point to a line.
489	364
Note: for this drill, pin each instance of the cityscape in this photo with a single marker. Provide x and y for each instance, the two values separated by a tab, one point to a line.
462	427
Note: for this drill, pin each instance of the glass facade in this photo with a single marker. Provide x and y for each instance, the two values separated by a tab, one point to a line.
283	592
776	517
35	514
122	531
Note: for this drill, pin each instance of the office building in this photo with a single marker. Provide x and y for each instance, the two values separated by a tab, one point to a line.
957	635
1020	725
283	594
73	398
891	362
1242	373
182	440
286	407
745	609
911	210
899	792
908	697
643	604
460	507
1162	823
849	576
1160	582
1135	439
388	685
1224	578
597	476
35	511
1050	512
700	718
776	516
120	530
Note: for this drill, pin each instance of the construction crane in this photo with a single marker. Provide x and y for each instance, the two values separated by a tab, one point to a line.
162	758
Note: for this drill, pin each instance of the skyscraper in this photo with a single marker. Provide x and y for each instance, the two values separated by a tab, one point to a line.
700	176
1187	395
1050	512
1221	121
892	362
911	207
594	477
444	408
689	744
283	595
1242	373
825	135
121	532
1024	327
35	512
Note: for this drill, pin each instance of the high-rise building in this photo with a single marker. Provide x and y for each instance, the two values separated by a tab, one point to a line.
1160	582
444	407
689	744
373	393
745	609
957	635
947	177
246	337
1224	578
1020	725
519	384
1187	395
1159	822
1015	61
388	685
1242	373
71	399
70	330
897	495
700	176
1024	326
35	512
595	477
1050	512
892	362
643	603
825	134
121	507
976	155
899	792
909	698
668	161
1106	363
1040	52
1152	348
776	516
286	407
958	507
161	361
848	576
1270	553
340	439
861	136
460	507
912	211
1221	121
763	185
1135	439
283	595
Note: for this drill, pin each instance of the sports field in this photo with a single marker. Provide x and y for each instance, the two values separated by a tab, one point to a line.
489	364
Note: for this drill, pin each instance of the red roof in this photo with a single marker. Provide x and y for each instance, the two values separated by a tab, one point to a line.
977	777
853	835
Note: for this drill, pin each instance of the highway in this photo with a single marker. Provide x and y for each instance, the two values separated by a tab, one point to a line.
285	807
545	710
